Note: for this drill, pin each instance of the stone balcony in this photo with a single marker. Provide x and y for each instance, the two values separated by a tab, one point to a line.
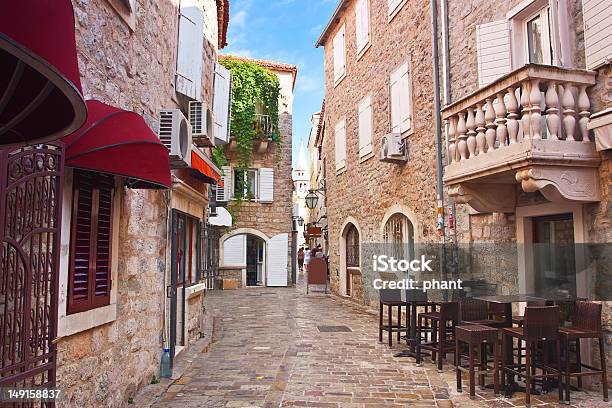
529	127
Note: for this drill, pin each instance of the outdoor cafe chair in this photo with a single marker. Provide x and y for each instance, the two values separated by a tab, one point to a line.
586	324
541	325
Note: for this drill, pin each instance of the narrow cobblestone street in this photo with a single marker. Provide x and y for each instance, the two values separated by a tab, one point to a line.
269	352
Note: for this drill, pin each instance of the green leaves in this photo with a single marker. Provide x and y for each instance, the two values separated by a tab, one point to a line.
252	84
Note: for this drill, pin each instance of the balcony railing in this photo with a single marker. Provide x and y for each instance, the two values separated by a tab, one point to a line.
263	125
529	122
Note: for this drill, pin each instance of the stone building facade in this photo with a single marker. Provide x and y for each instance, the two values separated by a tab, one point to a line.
257	249
366	193
128	59
489	57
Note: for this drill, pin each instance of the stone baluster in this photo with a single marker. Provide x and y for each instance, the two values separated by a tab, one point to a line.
490	125
480	130
525	109
552	111
535	98
452	146
471	133
569	120
500	113
512	124
462	137
584	106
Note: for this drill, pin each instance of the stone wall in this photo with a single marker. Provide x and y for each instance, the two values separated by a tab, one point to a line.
134	70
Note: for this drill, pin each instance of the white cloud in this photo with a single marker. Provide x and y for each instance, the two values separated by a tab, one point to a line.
239	19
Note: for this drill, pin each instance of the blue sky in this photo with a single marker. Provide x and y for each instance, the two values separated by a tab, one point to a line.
285	31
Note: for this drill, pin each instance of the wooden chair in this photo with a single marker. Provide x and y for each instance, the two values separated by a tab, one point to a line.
442	341
392	298
541	325
475	311
519	320
317	273
586	324
476	336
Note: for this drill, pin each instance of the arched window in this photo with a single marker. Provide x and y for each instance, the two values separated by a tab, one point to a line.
398	235
352	246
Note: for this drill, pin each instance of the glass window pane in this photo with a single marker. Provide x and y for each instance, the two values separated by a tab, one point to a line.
534	39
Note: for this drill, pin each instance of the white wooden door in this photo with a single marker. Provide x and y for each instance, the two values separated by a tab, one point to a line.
277	260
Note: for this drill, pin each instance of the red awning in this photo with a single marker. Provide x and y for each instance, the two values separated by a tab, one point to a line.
40	90
205	167
119	142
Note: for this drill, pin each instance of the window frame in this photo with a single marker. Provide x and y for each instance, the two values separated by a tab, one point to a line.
92	302
342	168
255	172
366	155
548	50
392	12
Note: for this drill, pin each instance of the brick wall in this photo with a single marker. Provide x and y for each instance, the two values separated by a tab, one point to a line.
133	70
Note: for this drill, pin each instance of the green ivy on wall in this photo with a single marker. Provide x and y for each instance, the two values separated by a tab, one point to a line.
252	84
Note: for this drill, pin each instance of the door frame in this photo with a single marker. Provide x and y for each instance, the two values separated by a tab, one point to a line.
525	234
246	231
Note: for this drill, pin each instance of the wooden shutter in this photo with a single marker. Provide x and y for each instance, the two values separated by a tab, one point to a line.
597	17
405	99
362	24
234	251
190	49
266	185
365	126
223	190
89	283
222	103
395	93
277	260
340	138
339	53
493	51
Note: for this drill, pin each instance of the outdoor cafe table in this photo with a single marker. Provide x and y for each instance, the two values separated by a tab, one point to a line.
507	301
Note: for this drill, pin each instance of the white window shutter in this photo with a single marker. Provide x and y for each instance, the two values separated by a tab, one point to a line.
597	17
223	191
395	95
190	49
365	126
405	99
493	51
340	139
393	5
222	103
277	260
339	60
362	24
266	185
234	251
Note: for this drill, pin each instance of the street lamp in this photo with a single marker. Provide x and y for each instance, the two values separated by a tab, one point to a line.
311	200
300	221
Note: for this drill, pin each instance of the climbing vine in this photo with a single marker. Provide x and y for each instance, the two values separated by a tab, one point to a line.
252	85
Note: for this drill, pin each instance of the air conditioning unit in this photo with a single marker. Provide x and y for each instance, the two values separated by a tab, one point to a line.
175	133
202	124
393	148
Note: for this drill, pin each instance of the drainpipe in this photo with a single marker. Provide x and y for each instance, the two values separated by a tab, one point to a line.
437	106
438	130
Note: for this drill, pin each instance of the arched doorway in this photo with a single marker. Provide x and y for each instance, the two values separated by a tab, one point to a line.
350	257
398	237
256	259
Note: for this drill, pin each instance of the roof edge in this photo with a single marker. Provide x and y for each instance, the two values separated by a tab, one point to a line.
331	22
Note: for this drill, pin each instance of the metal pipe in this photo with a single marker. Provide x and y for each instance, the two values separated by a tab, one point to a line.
437	107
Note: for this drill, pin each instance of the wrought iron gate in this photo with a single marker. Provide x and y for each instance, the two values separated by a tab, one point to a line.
30	222
209	254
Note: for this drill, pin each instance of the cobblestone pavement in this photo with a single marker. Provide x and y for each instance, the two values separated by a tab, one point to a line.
269	352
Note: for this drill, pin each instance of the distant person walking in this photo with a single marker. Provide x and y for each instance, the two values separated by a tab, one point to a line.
300	257
306	258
